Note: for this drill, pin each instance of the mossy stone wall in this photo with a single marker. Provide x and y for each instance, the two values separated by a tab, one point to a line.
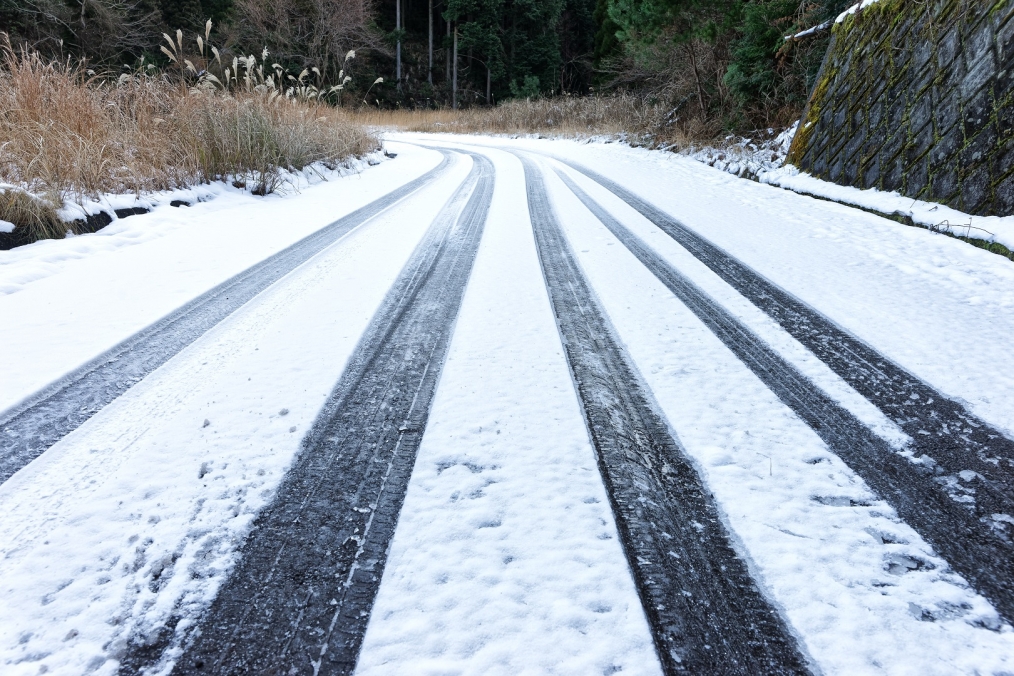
918	97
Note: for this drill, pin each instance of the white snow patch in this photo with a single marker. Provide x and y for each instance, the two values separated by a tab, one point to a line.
809	31
747	157
742	309
764	161
931	215
854	8
934	305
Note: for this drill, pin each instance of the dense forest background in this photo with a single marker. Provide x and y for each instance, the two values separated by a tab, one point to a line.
725	63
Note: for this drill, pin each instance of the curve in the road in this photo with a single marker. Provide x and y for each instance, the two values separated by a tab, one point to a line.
706	613
30	428
301	594
969	543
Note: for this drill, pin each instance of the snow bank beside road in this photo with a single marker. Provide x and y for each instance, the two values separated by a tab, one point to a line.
930	215
764	161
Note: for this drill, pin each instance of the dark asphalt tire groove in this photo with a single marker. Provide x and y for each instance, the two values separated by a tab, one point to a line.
706	613
969	544
300	596
28	429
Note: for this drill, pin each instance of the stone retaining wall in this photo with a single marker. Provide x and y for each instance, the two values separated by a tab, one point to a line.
918	97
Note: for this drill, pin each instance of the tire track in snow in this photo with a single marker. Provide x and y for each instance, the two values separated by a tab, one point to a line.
706	613
28	429
301	594
954	483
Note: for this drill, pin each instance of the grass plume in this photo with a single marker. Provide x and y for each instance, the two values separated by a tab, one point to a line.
67	133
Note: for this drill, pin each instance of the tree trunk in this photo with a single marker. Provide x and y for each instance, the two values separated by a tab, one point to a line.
429	70
397	53
697	80
454	82
487	84
447	55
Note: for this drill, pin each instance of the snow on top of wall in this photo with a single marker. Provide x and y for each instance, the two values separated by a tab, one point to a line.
930	215
764	161
854	8
827	24
809	31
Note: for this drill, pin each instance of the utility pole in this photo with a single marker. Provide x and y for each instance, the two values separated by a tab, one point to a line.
429	71
397	57
454	84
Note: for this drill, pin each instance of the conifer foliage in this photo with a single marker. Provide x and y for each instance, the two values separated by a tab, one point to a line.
723	64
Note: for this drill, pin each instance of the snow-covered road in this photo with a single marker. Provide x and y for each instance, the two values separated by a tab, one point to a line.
613	411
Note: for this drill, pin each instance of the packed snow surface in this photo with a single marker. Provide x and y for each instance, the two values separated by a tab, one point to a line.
940	308
506	557
786	498
135	516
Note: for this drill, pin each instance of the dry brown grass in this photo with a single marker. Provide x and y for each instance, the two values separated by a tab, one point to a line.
66	133
35	213
627	116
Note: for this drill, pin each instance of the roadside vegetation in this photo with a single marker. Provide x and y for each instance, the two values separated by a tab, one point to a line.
71	133
635	119
129	95
723	64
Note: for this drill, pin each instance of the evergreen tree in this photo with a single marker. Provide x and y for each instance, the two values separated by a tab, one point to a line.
767	71
533	47
524	48
578	31
607	45
752	75
187	15
479	43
